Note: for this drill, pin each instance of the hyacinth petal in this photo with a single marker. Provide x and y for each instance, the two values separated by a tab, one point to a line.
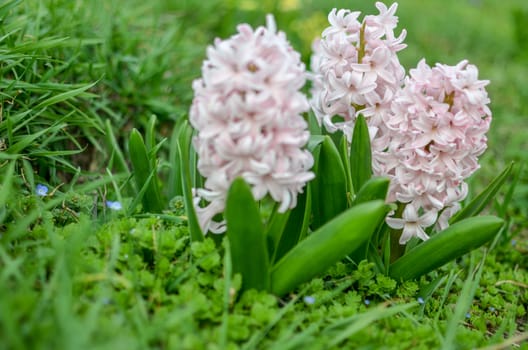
247	111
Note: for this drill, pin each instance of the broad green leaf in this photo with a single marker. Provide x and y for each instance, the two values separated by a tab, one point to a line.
479	202
375	188
297	225
275	229
455	241
184	142
313	124
144	173
247	241
314	142
326	246
329	186
360	154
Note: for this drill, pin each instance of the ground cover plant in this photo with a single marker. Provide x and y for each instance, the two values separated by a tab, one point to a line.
98	249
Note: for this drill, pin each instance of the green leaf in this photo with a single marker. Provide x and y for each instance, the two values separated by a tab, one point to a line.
174	177
118	159
455	241
479	202
65	95
326	246
183	153
275	229
249	251
360	154
313	124
375	188
329	186
144	173
345	158
297	225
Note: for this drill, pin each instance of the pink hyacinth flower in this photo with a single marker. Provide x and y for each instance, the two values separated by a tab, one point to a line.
247	110
438	125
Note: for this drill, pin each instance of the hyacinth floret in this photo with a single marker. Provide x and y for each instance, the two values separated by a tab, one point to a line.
247	109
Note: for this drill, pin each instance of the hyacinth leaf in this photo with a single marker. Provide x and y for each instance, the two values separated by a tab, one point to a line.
375	188
150	135
360	154
479	202
275	229
449	244
326	246
296	226
313	124
183	145
174	178
345	158
249	251
142	165
314	142
329	186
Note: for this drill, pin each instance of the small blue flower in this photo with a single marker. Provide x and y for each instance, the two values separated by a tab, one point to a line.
420	300
468	315
513	242
309	299
367	302
41	190
114	205
492	309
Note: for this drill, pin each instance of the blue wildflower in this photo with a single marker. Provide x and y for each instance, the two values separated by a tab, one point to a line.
309	299
41	190
420	300
468	315
114	205
367	302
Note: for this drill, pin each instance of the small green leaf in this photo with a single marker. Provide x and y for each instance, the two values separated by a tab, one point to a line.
275	229
455	241
329	185
313	124
360	154
326	246
479	202
375	188
144	173
183	153
249	251
297	225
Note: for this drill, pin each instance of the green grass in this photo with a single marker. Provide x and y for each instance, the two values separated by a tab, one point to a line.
77	76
